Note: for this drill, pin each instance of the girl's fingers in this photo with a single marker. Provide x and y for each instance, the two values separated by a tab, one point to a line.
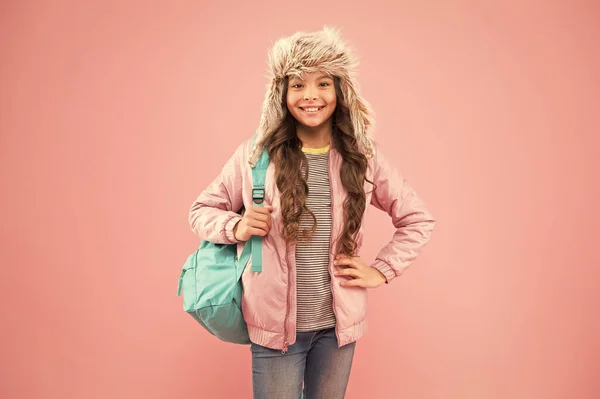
348	272
345	262
258	220
260	216
353	283
264	210
257	232
259	225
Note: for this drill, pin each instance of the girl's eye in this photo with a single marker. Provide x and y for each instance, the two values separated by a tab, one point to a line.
299	84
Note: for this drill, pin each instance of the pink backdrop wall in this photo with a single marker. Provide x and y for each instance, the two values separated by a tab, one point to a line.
115	115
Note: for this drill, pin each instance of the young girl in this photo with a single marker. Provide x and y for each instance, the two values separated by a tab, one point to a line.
307	308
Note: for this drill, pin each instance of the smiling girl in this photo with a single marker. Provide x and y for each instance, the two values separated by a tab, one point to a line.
307	308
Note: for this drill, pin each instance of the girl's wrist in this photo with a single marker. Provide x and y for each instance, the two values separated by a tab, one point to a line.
235	229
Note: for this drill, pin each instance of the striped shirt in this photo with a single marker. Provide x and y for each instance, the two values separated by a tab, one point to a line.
313	281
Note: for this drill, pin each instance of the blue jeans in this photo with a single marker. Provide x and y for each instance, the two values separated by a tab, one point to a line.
314	358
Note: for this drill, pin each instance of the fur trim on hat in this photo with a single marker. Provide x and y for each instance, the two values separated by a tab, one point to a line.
301	53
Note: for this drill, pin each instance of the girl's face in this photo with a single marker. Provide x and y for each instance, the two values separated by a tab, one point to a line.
311	101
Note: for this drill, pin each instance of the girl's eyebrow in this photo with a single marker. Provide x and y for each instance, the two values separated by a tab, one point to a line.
323	76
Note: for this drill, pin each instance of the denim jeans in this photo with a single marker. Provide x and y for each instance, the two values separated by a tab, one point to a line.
314	358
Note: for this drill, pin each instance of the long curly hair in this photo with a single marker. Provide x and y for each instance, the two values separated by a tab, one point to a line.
291	171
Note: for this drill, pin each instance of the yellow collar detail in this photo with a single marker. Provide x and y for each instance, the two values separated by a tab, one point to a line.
316	150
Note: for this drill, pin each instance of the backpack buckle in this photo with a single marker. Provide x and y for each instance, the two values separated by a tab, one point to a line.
258	195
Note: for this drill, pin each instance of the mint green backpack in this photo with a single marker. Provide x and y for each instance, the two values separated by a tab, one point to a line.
211	277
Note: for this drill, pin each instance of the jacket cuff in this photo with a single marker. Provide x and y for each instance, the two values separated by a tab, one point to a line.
229	225
384	268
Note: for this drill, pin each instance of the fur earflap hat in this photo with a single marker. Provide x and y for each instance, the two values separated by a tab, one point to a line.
301	53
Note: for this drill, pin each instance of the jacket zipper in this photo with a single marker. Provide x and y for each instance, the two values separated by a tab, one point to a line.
332	293
287	309
286	341
331	249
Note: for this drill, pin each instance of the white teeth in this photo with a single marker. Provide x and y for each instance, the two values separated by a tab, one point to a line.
312	109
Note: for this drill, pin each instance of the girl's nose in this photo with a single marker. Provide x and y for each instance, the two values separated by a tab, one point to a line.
308	94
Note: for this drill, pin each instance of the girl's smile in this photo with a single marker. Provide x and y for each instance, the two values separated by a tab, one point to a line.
311	110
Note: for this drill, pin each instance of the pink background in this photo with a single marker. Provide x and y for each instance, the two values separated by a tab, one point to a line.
115	115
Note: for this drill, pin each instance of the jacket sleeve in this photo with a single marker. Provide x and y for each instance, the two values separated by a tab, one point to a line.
414	224
213	215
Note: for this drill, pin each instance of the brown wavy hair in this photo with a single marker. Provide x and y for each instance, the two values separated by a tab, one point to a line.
285	152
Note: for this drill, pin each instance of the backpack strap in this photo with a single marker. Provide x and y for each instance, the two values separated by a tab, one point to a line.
259	173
